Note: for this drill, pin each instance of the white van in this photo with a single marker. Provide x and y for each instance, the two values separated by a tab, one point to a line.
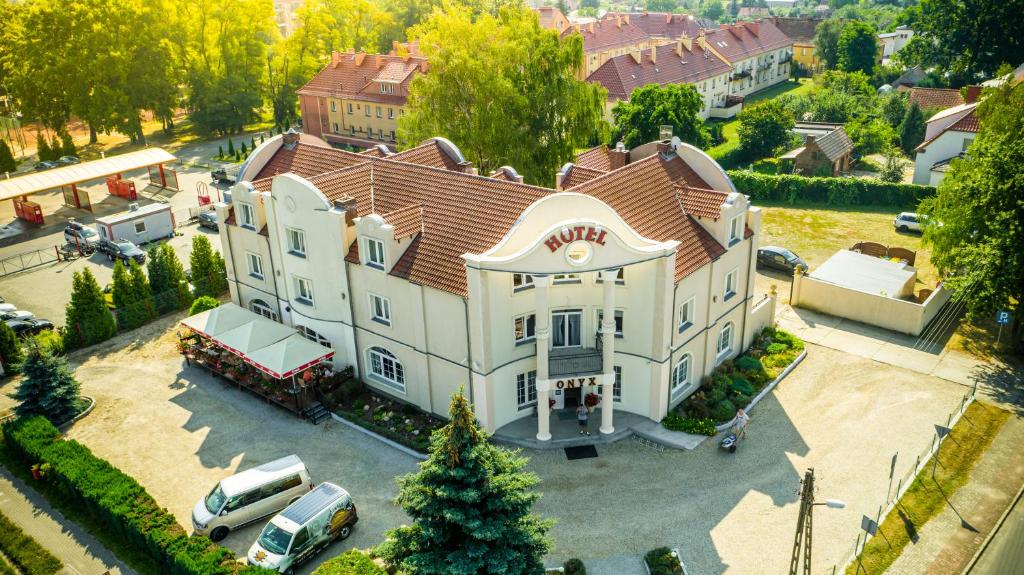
304	529
251	495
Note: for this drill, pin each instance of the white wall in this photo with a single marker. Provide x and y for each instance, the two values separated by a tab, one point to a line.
944	147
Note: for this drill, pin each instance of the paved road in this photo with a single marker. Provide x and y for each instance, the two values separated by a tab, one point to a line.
1005	553
840	413
81	553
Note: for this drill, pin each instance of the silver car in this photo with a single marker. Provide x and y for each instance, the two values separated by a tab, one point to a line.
909	222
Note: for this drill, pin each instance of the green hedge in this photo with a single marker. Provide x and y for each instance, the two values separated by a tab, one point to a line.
23	551
832	191
351	562
117	502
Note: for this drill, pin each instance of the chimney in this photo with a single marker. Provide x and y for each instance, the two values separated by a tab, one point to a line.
636	55
665	147
618	22
668	18
687	43
625	18
379	60
467	168
809	139
654	54
360	56
619	156
394	47
335	59
972	94
290	138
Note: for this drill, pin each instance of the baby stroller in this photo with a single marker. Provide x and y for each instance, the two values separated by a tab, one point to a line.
729	443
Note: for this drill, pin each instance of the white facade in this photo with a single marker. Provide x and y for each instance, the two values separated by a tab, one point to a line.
943	141
893	42
762	71
288	254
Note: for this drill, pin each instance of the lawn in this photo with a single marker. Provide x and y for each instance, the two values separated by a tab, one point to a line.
732	141
927	495
815	233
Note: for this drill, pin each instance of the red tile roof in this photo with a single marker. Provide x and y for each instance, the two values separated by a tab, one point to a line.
968	122
701	202
306	159
407	221
429	153
361	75
622	74
616	30
935	98
744	40
596	158
580	174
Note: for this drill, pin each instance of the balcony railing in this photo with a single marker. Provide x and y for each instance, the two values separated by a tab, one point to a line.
573	361
740	75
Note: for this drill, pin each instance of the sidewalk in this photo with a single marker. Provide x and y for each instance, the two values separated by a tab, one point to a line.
81	553
947	542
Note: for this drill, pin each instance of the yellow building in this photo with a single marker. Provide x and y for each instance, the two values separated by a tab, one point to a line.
802	31
357	99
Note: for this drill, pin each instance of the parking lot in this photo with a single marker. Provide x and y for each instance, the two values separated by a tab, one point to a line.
45	290
178	431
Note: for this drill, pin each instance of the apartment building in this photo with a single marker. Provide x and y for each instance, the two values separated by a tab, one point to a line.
685	61
759	53
357	98
633	279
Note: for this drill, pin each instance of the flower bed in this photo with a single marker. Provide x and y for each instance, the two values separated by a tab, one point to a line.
384	416
734	383
663	561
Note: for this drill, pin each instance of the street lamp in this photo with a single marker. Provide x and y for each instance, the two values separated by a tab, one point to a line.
805	522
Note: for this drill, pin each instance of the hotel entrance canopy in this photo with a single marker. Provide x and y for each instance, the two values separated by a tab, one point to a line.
78	173
273	348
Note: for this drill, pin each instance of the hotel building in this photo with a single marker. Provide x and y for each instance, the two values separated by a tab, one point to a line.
632	279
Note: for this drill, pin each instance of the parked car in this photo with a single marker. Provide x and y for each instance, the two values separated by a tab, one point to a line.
251	495
304	528
122	249
68	160
16	314
45	165
908	222
777	258
225	175
23	327
80	236
208	220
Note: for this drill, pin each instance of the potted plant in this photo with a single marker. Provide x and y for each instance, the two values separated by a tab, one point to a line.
591	400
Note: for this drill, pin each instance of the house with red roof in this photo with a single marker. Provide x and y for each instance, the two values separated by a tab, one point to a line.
629	282
948	135
759	53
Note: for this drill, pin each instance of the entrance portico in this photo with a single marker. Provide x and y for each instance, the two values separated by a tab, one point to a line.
553	243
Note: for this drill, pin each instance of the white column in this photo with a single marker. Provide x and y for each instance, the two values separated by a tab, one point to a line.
608	350
542	320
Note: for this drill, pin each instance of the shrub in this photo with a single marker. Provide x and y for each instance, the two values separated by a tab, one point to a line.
50	340
740	384
350	389
574	567
675	421
358	406
790	340
203	303
661	562
351	562
24	552
723	411
117	502
834	191
10	348
776	348
748	364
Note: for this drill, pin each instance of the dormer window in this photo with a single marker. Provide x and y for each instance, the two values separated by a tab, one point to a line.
735	229
375	253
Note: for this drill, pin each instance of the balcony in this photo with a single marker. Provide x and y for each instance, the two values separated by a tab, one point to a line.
573	361
742	74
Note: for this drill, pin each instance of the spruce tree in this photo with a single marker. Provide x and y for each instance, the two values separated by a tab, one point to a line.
145	307
470	505
55	148
262	136
231	147
220	152
159	280
48	388
87	318
67	144
912	129
7	161
252	142
42	147
243	150
176	277
10	348
206	264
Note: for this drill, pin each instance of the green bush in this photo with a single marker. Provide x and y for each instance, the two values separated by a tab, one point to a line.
661	562
675	421
766	166
51	340
748	364
723	411
791	341
742	385
776	348
834	191
10	349
23	551
350	389
574	567
117	502
351	562
203	303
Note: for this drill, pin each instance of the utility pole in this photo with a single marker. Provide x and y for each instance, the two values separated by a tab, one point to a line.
805	525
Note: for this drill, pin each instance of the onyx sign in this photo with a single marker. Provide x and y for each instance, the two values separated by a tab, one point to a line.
575	382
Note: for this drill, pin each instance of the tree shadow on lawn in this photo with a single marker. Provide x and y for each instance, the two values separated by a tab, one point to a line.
1004	382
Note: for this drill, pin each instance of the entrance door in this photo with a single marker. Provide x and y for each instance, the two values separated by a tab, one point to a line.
565	328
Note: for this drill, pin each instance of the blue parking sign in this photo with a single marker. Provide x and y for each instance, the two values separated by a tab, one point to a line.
1002	317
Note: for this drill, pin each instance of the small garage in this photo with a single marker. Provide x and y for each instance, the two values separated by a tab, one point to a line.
140	224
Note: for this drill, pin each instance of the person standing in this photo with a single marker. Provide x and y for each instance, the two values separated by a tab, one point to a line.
742	419
581	415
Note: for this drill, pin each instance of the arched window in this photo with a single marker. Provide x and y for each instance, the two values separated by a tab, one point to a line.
313	336
725	341
263	308
385	366
681	376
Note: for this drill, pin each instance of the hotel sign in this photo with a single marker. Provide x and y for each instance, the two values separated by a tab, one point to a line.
576	382
588	234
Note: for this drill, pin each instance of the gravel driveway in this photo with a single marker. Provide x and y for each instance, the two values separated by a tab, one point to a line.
178	431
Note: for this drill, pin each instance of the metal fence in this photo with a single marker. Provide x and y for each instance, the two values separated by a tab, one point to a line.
28	260
901	485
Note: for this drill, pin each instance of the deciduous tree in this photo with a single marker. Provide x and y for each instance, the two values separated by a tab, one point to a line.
858	48
764	128
826	42
637	121
502	89
470	504
978	245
